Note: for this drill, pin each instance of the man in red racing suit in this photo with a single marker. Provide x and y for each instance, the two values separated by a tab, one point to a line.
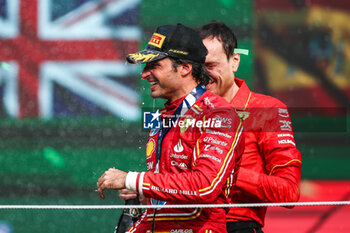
193	152
194	167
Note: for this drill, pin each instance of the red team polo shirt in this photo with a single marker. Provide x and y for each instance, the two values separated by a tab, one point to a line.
271	164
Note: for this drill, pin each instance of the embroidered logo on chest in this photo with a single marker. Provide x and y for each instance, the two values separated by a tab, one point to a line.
150	147
178	148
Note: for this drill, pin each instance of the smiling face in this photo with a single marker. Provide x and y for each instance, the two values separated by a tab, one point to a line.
165	81
221	68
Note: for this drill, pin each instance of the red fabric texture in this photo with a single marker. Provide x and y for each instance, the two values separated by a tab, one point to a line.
270	165
194	167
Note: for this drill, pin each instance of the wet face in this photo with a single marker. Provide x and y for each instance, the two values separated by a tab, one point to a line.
221	68
163	78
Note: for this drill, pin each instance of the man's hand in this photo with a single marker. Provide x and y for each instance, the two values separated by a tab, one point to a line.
111	179
126	194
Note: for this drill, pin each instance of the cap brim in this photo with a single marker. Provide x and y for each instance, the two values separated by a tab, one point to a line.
145	56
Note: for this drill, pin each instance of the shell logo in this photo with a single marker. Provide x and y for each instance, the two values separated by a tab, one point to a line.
150	147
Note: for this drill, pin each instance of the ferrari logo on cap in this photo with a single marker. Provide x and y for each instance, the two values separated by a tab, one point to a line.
157	40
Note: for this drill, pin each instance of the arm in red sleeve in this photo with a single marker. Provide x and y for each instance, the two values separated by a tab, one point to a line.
281	186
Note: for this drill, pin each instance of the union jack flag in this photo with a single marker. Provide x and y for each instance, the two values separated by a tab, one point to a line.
67	57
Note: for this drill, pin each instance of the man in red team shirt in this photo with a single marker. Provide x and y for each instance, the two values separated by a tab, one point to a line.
270	166
185	163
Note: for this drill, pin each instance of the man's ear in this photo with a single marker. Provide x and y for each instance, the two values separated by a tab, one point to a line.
186	69
236	58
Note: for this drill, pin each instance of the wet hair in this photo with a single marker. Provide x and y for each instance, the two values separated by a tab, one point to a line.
223	33
199	72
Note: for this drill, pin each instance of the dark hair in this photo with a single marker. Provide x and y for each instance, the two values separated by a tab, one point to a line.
199	72
221	32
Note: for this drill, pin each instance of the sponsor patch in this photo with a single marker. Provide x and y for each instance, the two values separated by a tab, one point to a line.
163	190
187	122
180	165
181	231
283	112
153	132
188	192
150	147
210	157
286	141
218	133
149	166
176	156
242	114
285	135
178	148
178	51
208	102
209	147
286	125
214	141
157	40
224	120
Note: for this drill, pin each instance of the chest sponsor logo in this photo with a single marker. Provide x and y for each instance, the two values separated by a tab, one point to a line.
178	148
242	114
225	121
214	141
210	157
180	165
219	133
214	148
176	156
150	148
187	122
149	166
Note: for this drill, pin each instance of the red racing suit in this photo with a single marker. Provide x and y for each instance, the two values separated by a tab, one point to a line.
270	166
194	166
